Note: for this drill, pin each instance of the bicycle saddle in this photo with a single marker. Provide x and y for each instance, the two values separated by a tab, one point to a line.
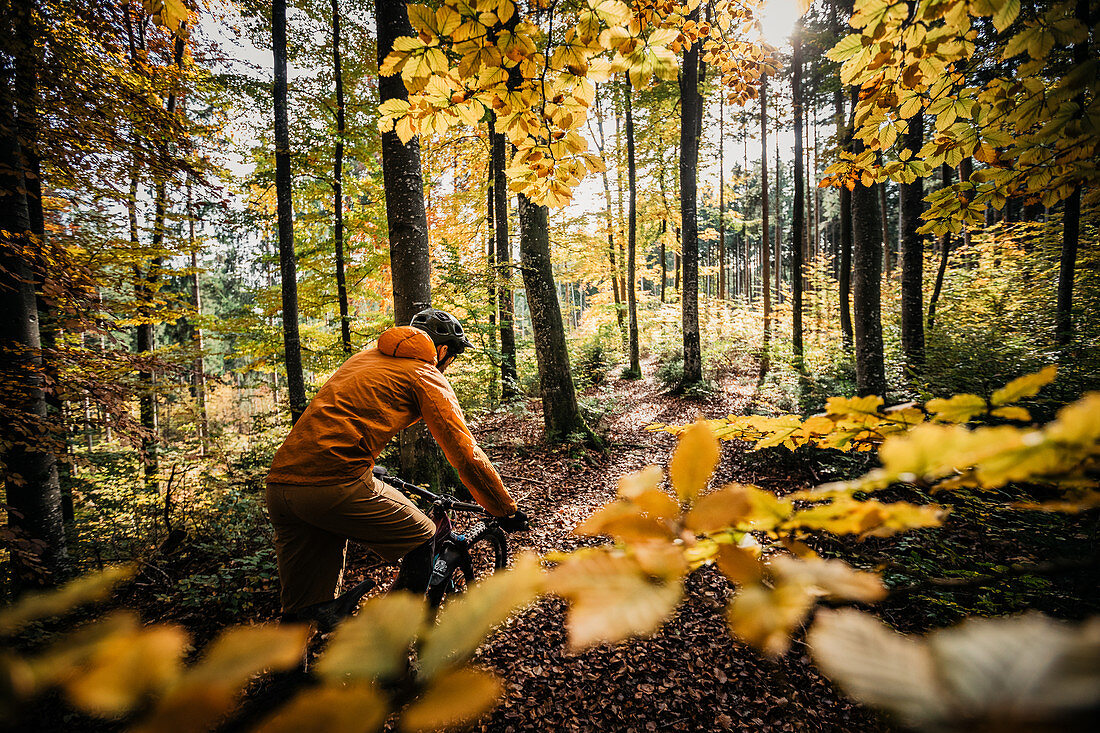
379	471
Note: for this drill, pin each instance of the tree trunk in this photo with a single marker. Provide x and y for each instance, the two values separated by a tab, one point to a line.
691	112
867	265
945	250
632	237
778	228
338	184
765	249
798	223
844	276
38	552
601	145
721	200
887	264
509	378
288	264
560	413
198	370
491	268
910	203
407	223
1071	214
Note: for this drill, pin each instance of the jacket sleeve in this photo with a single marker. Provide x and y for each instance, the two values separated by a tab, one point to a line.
441	413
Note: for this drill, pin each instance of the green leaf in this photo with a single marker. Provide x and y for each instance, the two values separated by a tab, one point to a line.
846	48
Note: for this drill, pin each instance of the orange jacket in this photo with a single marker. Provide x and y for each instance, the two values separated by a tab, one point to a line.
374	395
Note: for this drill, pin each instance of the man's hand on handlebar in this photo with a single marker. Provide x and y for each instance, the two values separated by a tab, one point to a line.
515	522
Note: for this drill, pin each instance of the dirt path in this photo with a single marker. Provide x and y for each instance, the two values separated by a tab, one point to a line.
692	676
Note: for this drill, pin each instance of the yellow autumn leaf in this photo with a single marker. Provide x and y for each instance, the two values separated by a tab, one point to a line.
766	617
694	460
835	578
1025	386
458	697
85	589
123	669
209	689
842	406
611	597
467	619
1019	414
374	643
739	565
959	408
719	509
659	559
356	707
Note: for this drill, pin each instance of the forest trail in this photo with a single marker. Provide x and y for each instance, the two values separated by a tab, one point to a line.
692	676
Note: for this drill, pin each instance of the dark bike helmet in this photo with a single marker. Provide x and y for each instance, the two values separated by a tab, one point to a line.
443	328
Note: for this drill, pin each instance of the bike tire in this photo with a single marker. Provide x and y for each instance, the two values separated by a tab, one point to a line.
463	567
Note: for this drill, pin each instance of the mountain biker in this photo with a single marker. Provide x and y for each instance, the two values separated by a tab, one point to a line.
320	489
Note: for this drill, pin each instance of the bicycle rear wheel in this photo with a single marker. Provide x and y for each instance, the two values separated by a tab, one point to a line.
459	567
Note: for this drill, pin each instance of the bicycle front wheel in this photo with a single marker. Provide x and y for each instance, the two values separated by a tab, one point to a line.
458	566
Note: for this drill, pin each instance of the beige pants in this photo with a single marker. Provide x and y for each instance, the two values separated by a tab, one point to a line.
313	523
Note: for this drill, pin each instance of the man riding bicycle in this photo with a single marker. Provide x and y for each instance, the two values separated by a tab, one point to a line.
320	489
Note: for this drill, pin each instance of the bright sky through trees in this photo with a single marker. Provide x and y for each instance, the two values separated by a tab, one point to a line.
777	19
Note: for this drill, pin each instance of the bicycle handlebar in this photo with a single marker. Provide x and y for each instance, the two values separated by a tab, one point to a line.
445	500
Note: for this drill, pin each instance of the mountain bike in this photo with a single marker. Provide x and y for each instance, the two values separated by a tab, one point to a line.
458	558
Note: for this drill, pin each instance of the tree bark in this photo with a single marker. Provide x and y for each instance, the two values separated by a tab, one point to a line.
765	249
910	203
1071	214
690	120
867	265
407	223
198	370
338	184
561	416
798	223
404	184
721	200
38	556
778	228
945	250
288	264
844	276
632	237
509	378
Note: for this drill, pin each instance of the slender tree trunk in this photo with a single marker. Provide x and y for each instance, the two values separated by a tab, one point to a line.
338	184
867	265
288	264
560	413
1071	214
632	237
910	203
601	144
945	250
37	556
509	378
798	239
778	228
198	370
491	262
765	249
691	112
844	275
721	200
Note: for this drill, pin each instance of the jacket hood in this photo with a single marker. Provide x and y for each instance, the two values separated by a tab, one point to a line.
407	342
